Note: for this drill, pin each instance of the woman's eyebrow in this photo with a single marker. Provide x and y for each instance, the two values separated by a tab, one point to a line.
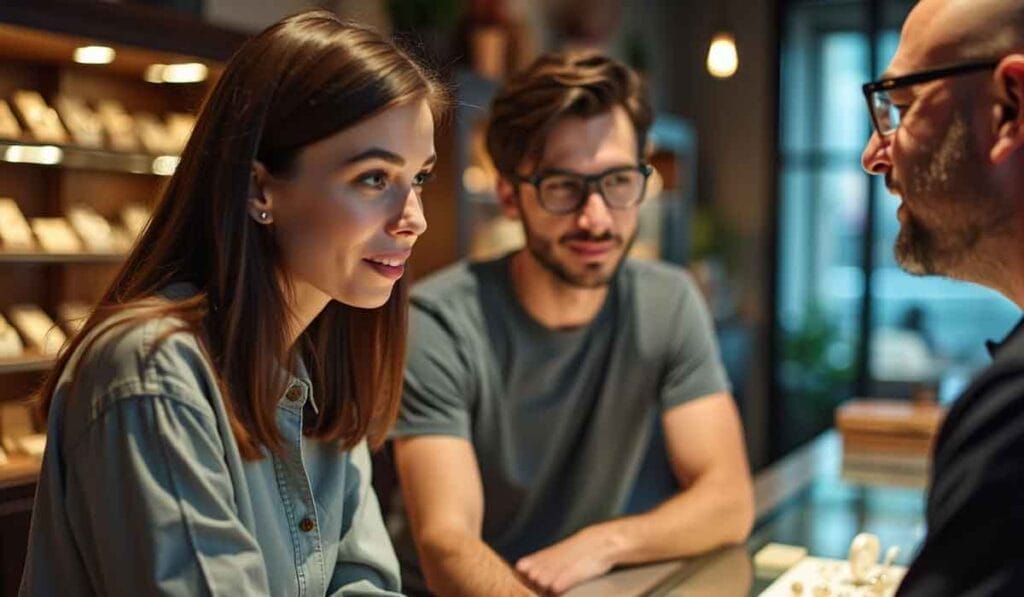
377	153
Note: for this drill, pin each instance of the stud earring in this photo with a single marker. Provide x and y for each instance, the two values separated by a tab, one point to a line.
264	216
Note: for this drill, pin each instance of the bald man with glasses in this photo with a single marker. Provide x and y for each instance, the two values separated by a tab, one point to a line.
536	382
949	139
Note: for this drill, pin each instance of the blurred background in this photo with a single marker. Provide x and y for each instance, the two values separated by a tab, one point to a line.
759	190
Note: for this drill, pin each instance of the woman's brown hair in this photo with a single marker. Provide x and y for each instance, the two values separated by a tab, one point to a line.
299	81
580	83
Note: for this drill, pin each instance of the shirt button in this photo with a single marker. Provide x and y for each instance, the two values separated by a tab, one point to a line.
306	525
294	393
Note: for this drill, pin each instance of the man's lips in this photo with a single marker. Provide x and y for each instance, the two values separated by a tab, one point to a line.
891	186
591	247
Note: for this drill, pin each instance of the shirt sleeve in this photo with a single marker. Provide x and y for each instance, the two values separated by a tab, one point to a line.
366	564
437	380
152	507
695	367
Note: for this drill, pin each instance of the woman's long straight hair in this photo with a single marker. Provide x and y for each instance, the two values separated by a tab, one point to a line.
299	81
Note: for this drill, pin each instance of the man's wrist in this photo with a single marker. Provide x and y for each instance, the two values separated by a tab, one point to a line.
612	539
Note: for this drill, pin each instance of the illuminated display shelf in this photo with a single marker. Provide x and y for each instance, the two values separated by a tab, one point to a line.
42	257
19	470
24	364
70	156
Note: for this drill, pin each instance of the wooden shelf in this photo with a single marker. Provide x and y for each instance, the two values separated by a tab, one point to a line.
42	32
82	158
26	364
40	257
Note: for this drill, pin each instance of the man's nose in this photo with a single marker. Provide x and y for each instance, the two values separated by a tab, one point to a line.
875	159
595	215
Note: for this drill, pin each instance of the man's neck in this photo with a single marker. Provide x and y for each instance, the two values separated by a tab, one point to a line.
1000	268
1013	287
548	299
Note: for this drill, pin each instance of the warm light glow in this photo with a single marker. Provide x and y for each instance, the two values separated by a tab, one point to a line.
188	72
47	155
94	55
476	180
723	60
164	165
154	73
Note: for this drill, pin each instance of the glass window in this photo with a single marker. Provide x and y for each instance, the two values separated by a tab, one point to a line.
923	330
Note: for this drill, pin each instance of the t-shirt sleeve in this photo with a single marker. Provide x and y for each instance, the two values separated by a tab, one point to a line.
435	399
695	366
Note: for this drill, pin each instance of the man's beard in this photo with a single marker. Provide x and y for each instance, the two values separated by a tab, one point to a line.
543	250
949	207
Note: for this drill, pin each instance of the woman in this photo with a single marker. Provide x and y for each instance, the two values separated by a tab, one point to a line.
208	428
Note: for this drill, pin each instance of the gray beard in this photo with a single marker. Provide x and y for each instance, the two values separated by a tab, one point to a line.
953	183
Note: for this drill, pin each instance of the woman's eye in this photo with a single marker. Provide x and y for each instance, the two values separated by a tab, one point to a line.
422	178
375	180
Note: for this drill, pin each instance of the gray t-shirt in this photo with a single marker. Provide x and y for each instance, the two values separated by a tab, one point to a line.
560	420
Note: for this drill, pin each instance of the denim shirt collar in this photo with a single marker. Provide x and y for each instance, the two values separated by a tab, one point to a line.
298	388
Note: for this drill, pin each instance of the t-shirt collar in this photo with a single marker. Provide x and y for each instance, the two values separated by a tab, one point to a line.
995	347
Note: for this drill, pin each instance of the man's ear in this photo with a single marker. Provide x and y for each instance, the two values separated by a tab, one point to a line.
1008	114
507	198
261	206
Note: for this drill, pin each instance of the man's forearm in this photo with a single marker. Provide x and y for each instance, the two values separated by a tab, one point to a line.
705	516
464	565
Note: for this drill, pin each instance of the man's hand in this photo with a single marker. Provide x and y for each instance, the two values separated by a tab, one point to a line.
559	567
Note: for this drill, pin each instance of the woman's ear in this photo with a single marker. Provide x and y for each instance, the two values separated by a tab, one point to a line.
261	206
1008	115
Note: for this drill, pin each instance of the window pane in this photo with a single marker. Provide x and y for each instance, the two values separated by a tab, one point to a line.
844	67
930	329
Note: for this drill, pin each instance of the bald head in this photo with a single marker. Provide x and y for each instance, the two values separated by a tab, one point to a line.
939	32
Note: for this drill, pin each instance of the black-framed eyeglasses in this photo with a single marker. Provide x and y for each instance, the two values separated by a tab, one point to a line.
885	114
562	192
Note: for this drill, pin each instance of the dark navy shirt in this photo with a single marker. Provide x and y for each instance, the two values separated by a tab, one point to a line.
975	515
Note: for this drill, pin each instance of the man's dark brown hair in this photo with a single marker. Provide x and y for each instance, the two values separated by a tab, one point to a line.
576	83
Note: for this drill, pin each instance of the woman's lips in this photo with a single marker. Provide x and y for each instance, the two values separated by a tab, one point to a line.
391	266
392	272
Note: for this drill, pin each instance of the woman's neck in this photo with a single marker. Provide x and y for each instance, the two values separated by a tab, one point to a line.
304	303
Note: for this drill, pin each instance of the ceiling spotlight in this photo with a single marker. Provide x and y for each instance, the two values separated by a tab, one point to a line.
723	59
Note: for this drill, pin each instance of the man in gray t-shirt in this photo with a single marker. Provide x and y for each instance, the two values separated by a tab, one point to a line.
535	382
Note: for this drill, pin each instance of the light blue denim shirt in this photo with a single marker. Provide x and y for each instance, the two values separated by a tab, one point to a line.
143	490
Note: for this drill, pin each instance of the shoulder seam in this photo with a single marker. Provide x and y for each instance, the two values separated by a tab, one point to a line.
123	392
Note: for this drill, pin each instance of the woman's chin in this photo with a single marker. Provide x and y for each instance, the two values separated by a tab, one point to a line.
369	299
